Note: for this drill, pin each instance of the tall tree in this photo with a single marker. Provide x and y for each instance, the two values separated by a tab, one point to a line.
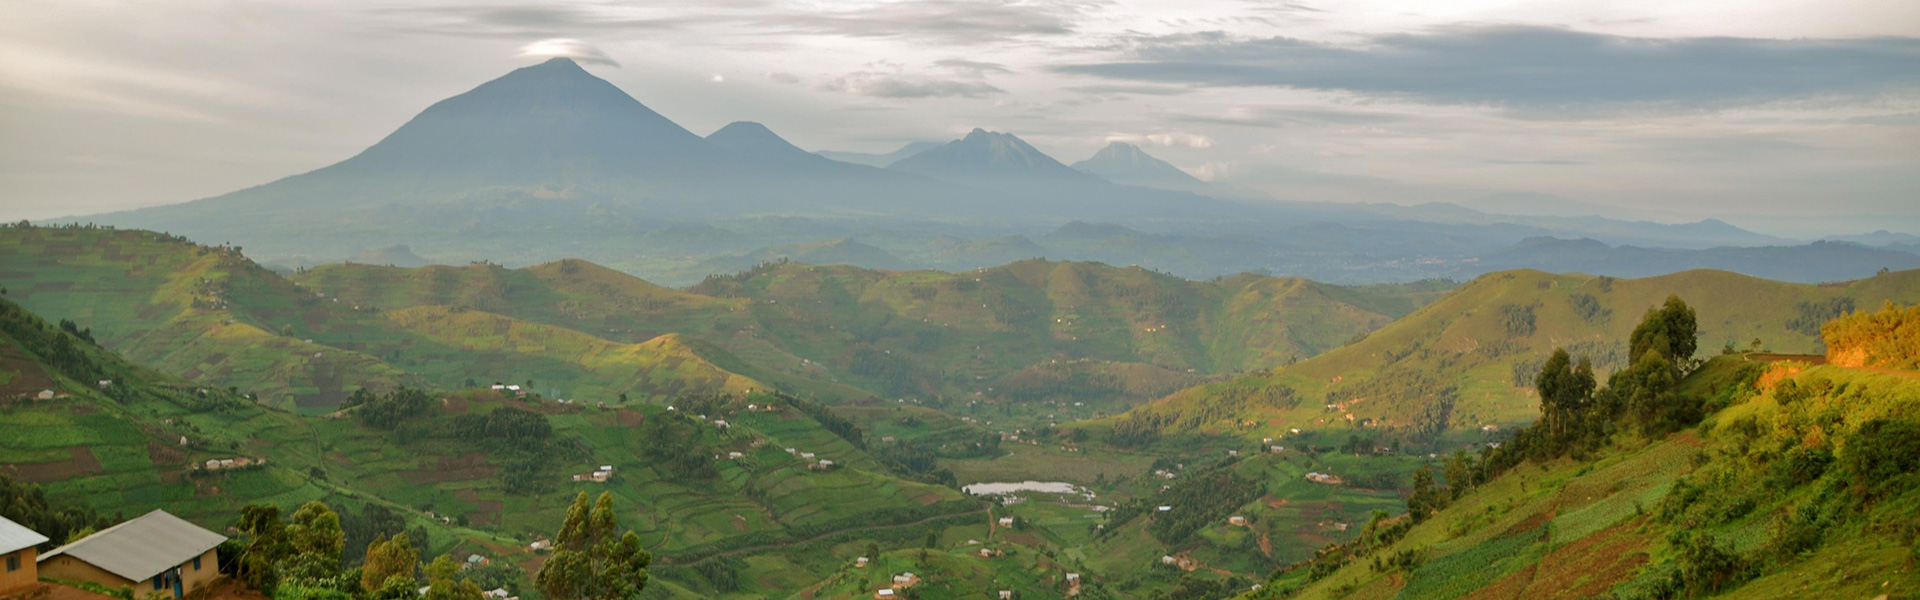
266	546
389	560
1670	330
591	559
445	583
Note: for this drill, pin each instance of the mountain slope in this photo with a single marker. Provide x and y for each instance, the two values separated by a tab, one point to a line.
1466	360
1819	261
1127	164
204	313
881	160
989	158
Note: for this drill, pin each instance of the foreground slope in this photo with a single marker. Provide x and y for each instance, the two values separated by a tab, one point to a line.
1802	486
1466	361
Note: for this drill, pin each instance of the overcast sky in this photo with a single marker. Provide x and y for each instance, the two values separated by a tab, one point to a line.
1786	116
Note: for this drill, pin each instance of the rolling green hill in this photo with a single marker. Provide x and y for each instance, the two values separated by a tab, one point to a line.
210	315
1465	361
203	313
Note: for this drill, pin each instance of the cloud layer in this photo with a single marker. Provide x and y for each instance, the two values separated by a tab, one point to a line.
1529	67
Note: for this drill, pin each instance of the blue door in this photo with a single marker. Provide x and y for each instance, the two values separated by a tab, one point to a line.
175	576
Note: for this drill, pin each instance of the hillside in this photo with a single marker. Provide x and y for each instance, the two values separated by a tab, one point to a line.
211	315
1801	486
475	471
1465	362
203	313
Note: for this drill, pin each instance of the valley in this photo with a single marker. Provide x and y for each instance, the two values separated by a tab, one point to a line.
770	427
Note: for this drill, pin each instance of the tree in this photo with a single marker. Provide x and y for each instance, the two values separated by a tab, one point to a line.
1425	499
1459	474
266	546
1566	391
389	560
590	560
444	583
1670	330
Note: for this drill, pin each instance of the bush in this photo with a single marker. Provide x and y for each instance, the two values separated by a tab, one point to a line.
1880	454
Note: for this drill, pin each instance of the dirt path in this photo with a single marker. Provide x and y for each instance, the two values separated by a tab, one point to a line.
744	549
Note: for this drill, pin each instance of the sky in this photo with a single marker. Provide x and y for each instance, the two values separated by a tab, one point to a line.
1792	117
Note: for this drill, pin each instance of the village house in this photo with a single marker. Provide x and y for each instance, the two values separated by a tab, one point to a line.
1006	594
905	580
17	551
1006	521
860	562
155	553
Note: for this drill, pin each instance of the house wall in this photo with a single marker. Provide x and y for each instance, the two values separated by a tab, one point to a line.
26	575
68	567
191	579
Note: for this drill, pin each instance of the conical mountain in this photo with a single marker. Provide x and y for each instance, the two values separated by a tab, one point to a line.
753	142
1127	164
551	123
989	157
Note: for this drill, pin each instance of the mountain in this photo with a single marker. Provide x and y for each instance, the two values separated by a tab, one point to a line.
991	159
1810	263
1127	164
397	255
1879	238
881	160
753	140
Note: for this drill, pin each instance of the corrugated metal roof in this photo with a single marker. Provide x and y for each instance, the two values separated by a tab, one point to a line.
14	536
143	547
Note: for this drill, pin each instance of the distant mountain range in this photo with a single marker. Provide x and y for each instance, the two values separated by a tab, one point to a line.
549	161
881	160
1125	163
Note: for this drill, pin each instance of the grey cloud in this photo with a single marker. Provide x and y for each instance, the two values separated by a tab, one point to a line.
1287	117
530	20
952	21
1532	68
888	85
970	68
1546	162
1144	90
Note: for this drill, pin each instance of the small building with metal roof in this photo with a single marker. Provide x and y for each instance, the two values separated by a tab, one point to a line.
17	552
155	553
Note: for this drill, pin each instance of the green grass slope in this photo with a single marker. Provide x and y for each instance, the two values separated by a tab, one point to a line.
211	315
1466	360
206	314
1801	488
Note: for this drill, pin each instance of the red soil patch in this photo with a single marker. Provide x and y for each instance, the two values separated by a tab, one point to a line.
164	455
927	498
628	417
229	589
1591	565
81	462
28	377
454	468
1506	588
454	405
47	591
